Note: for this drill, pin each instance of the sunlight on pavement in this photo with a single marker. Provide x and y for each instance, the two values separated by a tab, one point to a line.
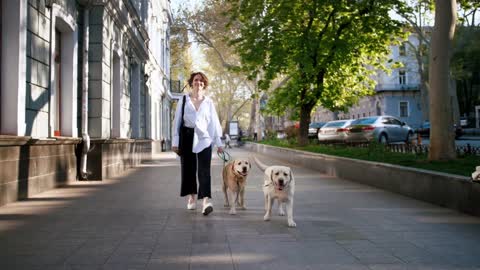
220	258
19	213
448	219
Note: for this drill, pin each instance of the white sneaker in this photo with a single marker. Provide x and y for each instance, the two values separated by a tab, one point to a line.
207	208
191	204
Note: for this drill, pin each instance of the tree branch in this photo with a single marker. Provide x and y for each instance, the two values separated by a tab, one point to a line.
203	39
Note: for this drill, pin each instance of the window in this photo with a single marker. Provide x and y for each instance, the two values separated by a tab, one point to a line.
402	77
58	84
403	108
394	121
402	50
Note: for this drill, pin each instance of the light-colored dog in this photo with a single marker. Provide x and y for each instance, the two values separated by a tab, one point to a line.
279	184
234	181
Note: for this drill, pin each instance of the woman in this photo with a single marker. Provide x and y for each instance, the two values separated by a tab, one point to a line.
201	131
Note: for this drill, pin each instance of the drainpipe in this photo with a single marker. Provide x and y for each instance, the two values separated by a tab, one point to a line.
85	137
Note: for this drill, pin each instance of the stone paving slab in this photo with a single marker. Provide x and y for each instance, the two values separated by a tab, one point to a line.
138	221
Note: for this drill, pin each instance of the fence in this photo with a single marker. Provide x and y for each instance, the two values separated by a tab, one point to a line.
419	149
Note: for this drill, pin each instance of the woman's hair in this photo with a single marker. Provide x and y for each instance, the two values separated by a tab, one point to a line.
204	78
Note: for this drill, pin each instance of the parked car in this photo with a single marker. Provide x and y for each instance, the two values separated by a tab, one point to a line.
383	129
313	129
424	130
334	131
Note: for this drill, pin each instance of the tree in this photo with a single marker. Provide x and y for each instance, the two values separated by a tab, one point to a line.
328	49
417	14
442	141
181	61
206	26
465	65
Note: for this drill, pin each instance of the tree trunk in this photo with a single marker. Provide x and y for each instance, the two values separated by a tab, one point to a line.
424	87
258	120
253	117
424	90
454	101
304	123
442	141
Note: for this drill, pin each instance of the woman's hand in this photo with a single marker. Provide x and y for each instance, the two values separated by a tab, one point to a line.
175	149
219	150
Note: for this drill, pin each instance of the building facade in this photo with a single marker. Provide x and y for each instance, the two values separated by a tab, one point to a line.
84	90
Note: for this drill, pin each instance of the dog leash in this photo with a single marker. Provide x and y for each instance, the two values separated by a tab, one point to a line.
225	156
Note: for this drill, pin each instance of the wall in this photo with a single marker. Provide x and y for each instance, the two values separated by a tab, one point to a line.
30	166
111	157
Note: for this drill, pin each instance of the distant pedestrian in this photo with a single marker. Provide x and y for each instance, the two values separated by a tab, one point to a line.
239	138
255	136
193	137
227	141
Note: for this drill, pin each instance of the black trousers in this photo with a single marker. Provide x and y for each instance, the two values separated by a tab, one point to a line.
195	164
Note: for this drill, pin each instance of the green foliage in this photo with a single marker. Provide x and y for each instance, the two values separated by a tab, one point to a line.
463	165
466	56
329	48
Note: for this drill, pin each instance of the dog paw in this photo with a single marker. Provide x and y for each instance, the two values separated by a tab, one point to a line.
281	213
232	212
266	217
292	224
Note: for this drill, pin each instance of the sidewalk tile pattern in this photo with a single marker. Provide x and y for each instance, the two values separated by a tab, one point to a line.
138	221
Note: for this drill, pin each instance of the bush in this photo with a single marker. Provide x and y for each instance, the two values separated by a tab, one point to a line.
292	132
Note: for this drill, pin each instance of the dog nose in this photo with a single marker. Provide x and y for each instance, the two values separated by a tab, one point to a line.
244	169
280	181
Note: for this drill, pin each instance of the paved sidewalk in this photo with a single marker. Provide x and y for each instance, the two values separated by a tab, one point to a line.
138	221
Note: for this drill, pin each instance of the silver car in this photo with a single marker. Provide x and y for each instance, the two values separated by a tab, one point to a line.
334	131
383	129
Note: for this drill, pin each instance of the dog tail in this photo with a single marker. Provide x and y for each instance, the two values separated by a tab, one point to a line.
260	165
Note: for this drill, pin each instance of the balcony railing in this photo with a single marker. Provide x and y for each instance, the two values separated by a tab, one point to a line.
396	87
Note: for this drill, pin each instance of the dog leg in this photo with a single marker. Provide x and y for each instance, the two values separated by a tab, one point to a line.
232	195
241	199
224	188
268	208
290	221
281	206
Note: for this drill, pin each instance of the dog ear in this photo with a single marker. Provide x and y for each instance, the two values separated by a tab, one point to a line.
291	175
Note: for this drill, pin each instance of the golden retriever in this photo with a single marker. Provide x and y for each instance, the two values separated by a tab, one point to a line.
279	184
234	181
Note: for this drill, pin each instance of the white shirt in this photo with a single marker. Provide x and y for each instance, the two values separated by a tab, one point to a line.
205	122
